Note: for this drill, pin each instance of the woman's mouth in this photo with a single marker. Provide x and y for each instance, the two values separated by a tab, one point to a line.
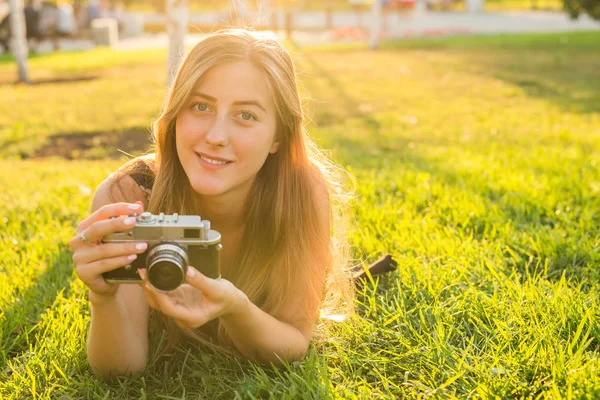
212	162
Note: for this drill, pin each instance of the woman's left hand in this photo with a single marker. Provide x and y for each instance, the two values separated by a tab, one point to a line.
199	300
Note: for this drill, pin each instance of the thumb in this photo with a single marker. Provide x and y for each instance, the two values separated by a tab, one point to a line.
210	287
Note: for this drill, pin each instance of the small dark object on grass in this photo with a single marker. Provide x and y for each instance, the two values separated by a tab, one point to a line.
382	266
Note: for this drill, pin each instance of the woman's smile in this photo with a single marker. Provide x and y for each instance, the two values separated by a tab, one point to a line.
212	163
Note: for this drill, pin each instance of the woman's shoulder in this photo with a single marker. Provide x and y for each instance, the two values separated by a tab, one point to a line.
132	182
320	184
143	171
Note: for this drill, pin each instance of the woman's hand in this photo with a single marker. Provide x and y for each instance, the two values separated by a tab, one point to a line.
92	257
199	300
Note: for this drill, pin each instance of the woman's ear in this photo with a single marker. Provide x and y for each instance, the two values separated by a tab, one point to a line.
274	148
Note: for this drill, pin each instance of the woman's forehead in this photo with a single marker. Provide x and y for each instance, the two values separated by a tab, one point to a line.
238	80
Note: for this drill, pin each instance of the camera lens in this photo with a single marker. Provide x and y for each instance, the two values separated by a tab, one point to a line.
167	265
165	276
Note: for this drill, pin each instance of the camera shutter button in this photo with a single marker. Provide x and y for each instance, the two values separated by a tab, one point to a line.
145	217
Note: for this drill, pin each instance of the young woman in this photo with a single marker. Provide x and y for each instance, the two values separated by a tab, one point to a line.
230	146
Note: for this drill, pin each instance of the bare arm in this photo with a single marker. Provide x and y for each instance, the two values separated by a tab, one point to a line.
118	336
263	338
286	334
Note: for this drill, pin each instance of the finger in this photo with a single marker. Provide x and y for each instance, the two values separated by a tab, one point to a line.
110	210
76	242
143	274
148	292
191	318
88	272
182	324
108	250
100	229
210	287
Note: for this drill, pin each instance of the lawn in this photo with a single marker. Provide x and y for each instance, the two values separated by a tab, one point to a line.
477	166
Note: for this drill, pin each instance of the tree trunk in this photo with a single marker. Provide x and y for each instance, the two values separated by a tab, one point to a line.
19	38
475	6
177	22
375	24
289	23
328	15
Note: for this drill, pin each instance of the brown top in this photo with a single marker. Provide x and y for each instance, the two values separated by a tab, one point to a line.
143	175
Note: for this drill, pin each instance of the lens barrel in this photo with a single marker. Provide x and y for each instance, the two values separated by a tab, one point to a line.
166	265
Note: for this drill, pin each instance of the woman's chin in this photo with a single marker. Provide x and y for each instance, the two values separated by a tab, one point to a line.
208	190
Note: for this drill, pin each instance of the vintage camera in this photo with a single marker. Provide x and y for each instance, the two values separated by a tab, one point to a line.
174	242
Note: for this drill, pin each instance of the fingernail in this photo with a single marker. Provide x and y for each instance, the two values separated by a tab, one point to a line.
191	272
141	246
134	206
132	257
129	221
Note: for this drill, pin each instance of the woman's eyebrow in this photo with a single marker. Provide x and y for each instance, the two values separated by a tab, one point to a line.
237	103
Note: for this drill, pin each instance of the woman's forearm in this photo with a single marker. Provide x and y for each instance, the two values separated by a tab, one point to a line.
113	346
262	337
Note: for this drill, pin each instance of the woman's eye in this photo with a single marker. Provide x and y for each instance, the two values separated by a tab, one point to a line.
201	106
247	116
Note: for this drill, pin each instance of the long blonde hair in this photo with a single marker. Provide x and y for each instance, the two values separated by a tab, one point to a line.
283	244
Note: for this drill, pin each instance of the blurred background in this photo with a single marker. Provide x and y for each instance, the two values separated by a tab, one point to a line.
472	128
86	51
82	24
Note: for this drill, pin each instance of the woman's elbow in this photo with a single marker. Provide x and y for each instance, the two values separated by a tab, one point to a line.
111	374
284	357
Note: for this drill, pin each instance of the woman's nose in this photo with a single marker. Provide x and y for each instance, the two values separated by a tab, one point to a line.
217	135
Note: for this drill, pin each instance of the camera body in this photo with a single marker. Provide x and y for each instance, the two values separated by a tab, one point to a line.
174	242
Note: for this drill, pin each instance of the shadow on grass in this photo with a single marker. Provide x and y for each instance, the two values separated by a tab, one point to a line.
19	319
568	83
559	68
350	105
50	81
94	145
64	80
7	58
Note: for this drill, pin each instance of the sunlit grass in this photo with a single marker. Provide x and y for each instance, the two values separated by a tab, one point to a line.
477	164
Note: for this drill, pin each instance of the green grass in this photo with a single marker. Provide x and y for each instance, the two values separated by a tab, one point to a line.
477	162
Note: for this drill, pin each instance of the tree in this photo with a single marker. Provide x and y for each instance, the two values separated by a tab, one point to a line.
375	24
177	22
19	38
576	7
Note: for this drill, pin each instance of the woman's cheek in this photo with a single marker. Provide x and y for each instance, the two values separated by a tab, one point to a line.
188	128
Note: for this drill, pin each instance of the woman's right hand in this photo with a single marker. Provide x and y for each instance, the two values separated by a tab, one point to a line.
93	258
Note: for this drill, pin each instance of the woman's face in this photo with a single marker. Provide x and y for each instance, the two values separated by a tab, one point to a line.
227	129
